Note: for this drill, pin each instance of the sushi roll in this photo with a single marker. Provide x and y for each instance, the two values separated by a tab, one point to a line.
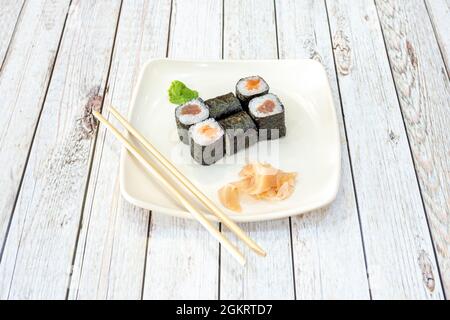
207	142
268	113
240	132
249	88
189	114
223	106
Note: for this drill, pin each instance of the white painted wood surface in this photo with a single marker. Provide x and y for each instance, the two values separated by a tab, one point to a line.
23	86
327	246
111	251
439	11
38	253
424	91
24	77
400	258
250	33
9	16
385	60
195	33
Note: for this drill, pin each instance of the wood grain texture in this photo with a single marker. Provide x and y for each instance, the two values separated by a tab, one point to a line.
439	11
9	16
424	94
123	252
24	80
39	250
327	245
182	260
112	229
250	33
400	258
249	30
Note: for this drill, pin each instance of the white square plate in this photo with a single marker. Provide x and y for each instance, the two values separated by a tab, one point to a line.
311	147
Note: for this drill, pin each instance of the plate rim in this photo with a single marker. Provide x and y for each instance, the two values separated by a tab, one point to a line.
315	205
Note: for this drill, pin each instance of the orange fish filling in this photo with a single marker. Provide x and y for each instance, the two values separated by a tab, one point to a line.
208	131
191	109
260	181
267	106
252	84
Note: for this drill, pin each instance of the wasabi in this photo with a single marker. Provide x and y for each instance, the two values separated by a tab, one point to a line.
180	94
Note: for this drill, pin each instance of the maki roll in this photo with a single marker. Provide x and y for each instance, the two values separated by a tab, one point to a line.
268	113
223	106
249	88
188	114
207	142
240	132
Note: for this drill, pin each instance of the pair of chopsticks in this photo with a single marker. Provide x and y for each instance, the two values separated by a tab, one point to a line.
138	154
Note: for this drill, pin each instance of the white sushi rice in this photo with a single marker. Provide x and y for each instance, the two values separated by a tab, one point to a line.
189	119
256	102
241	86
202	139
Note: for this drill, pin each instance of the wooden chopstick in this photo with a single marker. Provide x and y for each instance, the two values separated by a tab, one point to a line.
188	184
172	189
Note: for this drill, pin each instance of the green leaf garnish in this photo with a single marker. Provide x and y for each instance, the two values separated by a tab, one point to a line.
179	93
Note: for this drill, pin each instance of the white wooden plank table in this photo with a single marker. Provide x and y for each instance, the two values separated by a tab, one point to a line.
65	231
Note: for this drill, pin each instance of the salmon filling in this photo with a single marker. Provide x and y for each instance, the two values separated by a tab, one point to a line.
252	84
266	107
208	131
191	109
260	181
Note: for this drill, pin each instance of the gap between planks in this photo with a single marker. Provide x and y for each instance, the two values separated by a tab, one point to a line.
3	244
421	54
123	246
92	152
53	285
10	37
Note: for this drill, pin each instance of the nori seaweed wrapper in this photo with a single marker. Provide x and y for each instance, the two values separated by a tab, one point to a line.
210	154
271	127
240	132
223	106
183	129
245	99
